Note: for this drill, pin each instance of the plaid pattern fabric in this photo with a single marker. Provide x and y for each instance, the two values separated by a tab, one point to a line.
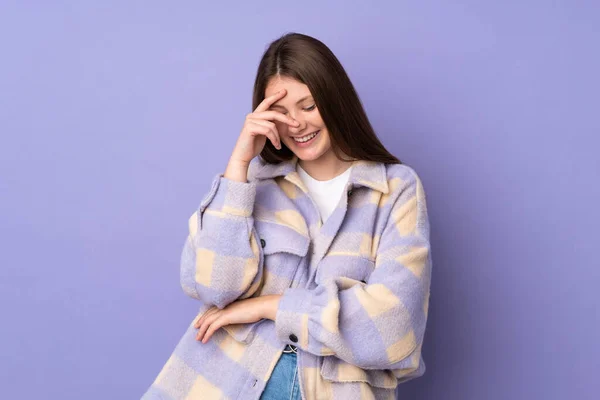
355	290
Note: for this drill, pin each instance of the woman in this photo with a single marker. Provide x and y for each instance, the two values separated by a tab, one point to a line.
311	263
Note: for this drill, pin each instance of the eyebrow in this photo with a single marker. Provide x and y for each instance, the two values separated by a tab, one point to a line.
298	102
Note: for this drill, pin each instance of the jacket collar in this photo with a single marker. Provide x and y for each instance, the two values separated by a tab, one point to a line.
364	173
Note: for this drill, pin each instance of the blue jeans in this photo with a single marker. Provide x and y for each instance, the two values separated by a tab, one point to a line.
283	383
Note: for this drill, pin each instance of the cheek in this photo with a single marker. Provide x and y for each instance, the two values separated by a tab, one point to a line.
316	119
326	142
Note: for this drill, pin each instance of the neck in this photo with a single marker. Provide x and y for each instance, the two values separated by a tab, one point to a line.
326	167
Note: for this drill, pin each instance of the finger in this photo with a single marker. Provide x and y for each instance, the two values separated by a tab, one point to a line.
204	316
263	122
218	323
271	126
272	114
268	101
256	129
205	325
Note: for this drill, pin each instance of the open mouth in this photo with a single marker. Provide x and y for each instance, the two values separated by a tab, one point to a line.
307	138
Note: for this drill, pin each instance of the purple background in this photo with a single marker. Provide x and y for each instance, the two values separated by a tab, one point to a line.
115	117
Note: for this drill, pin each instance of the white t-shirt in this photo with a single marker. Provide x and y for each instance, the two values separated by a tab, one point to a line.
326	194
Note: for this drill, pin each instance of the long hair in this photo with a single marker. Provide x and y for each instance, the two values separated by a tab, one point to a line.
312	63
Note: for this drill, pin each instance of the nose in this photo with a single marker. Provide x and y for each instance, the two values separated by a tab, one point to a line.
301	123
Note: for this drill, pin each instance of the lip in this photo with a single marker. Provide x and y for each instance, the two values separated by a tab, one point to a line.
308	134
308	143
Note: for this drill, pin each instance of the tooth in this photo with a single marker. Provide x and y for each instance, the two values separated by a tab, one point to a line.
306	138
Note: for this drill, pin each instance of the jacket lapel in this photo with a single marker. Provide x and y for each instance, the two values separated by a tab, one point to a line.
367	174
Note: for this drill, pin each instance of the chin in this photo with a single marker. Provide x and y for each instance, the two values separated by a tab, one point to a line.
308	155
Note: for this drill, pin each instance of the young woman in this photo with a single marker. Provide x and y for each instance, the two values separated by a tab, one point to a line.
309	256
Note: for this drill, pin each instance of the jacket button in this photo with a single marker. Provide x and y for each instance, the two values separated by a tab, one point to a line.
263	243
294	338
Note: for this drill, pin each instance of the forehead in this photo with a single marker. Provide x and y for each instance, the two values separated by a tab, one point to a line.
295	89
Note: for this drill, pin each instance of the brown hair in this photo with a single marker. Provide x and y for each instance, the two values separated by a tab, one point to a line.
311	62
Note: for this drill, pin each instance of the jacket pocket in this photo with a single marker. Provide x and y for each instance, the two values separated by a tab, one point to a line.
280	238
353	267
243	333
282	249
337	370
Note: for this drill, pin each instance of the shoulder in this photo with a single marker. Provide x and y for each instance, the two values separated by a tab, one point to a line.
408	203
402	178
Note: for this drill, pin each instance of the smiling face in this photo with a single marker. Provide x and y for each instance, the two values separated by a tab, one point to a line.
299	104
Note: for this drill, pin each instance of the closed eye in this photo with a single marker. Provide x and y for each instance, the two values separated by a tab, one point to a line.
279	110
283	111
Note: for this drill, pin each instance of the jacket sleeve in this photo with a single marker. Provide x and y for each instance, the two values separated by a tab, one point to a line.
221	259
379	324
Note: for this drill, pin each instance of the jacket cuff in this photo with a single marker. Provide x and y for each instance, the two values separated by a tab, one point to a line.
291	320
230	197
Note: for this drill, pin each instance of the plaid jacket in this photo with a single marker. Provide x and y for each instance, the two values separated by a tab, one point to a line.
355	289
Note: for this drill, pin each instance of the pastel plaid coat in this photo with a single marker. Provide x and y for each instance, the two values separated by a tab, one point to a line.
355	290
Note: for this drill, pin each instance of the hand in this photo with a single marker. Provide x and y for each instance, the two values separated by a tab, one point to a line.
258	127
244	311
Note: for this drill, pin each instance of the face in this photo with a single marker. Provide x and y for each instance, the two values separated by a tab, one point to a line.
299	104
